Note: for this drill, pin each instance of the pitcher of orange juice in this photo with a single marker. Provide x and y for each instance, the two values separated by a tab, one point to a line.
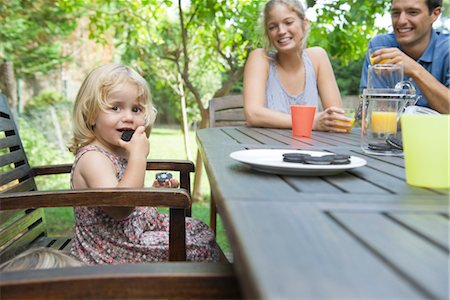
384	76
381	110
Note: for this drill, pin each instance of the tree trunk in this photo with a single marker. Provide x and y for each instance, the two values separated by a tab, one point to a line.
182	94
8	83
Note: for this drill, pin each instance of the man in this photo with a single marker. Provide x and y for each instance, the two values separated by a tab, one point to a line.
423	51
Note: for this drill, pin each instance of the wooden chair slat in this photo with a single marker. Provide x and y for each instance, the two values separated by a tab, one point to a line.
21	172
12	158
21	225
8	217
5	125
226	111
23	186
59	243
9	142
23	243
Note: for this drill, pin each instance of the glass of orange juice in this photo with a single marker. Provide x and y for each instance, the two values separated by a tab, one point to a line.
349	112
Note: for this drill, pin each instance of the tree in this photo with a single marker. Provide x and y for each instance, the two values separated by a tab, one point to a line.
344	27
205	38
31	35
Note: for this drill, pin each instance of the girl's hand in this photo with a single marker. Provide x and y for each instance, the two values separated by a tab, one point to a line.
138	145
172	183
328	119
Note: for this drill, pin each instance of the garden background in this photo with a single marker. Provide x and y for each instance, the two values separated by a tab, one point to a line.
189	52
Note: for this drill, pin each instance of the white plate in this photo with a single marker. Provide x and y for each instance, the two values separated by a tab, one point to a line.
271	161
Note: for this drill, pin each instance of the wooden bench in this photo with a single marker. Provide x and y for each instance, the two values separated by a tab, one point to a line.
23	225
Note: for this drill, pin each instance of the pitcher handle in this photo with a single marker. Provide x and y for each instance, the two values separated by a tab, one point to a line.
407	85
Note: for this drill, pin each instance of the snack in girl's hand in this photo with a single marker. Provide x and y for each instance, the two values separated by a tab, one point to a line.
127	135
163	176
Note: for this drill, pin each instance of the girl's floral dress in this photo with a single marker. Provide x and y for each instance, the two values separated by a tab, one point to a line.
142	237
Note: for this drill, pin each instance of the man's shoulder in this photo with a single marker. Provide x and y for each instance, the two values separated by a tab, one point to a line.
387	39
442	38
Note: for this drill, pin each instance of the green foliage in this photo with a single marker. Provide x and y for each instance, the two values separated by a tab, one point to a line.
32	31
41	151
45	99
343	28
348	76
219	35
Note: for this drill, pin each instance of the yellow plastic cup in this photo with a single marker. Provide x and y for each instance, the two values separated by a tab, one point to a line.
426	146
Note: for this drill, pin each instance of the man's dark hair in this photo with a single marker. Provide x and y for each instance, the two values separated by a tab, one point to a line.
432	4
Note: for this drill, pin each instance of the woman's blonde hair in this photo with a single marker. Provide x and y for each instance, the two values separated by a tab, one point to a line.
293	5
92	97
40	258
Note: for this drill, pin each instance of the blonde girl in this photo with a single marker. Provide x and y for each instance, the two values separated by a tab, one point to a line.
113	99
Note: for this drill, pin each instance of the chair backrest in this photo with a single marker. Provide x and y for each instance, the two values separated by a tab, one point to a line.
226	111
18	228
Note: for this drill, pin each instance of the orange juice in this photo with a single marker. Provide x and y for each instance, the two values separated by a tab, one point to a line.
351	122
383	61
384	122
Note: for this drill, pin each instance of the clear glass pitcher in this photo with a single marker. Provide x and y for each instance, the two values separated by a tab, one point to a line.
380	127
384	76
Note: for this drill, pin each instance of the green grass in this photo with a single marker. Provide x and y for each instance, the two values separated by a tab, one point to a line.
165	143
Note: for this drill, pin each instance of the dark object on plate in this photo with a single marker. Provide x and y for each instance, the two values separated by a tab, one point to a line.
335	159
340	159
295	157
126	135
319	160
394	142
380	147
163	176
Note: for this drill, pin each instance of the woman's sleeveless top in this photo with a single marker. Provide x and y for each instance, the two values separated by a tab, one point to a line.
278	99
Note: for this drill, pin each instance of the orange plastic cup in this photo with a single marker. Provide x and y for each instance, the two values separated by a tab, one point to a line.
302	120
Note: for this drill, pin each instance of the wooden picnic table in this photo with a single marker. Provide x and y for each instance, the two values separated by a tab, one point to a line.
361	234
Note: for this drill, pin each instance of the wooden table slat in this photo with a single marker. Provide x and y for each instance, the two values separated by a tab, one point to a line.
410	254
432	226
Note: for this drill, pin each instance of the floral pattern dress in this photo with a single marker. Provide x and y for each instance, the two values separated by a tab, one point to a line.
142	237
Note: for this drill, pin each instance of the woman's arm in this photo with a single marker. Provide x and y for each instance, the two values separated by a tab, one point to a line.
256	73
328	92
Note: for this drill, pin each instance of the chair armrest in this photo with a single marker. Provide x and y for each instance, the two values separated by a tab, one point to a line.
152	164
178	201
168	197
173	280
171	165
51	169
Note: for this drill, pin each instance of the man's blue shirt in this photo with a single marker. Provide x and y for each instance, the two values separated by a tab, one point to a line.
435	59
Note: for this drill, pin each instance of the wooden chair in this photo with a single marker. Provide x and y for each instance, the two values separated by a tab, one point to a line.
23	225
224	111
19	195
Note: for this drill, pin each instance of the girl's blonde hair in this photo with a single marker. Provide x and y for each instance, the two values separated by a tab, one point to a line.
40	258
92	97
293	5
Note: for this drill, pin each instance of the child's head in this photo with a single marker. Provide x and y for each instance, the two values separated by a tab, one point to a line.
93	97
40	258
293	6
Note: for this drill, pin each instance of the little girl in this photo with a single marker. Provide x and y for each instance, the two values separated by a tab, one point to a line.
113	99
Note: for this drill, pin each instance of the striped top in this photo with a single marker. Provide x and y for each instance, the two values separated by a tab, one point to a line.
278	99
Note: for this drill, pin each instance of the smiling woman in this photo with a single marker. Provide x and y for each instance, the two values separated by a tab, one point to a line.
285	73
